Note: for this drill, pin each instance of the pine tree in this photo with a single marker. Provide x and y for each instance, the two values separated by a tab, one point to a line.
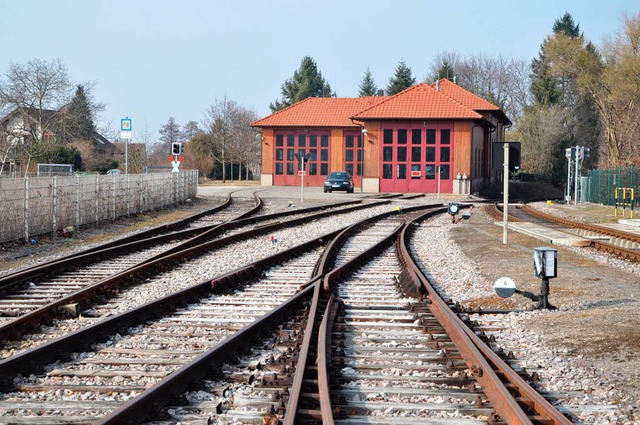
77	123
546	89
401	80
367	86
306	82
567	26
446	71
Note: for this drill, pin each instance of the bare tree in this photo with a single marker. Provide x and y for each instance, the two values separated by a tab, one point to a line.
189	130
224	123
34	89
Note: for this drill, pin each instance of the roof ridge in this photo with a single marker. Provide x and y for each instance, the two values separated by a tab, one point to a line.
388	98
455	100
283	109
459	87
415	87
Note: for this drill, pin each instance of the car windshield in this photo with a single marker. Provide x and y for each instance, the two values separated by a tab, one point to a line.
338	176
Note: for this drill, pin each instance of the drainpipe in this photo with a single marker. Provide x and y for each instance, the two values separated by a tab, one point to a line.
363	132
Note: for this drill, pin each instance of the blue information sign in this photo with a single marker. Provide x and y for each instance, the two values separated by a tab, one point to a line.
125	124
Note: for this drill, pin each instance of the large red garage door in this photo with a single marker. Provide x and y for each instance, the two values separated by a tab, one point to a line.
416	158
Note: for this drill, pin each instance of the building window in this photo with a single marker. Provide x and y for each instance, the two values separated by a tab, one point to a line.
431	136
402	136
388	136
445	136
291	140
279	140
387	171
416	136
279	168
279	155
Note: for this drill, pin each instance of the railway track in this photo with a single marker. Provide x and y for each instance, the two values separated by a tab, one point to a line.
28	290
140	284
616	242
222	317
358	336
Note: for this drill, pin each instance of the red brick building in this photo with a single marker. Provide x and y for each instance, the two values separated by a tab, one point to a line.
434	138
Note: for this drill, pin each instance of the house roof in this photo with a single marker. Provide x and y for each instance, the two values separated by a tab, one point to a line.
422	101
464	96
319	112
418	102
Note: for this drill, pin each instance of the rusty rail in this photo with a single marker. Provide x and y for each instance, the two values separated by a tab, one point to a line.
324	349
478	356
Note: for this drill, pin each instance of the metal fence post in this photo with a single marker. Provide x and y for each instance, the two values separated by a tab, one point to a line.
26	209
77	201
128	197
54	206
113	195
97	197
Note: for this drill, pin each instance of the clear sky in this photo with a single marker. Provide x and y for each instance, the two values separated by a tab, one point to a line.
153	59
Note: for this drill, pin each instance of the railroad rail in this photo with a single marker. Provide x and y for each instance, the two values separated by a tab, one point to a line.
243	347
101	290
622	244
81	339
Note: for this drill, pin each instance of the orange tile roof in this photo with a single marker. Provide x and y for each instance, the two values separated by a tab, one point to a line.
319	112
418	102
465	97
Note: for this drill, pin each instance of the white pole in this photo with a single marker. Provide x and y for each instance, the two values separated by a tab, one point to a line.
505	199
568	194
126	156
575	192
302	179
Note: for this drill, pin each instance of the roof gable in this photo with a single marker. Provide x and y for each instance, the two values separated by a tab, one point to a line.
319	112
418	102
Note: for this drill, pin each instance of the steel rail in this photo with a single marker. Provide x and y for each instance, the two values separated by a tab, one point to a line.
326	262
324	354
591	227
146	239
139	409
479	357
625	253
156	264
57	264
62	347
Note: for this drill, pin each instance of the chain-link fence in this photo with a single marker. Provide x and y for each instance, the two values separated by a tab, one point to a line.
33	206
602	184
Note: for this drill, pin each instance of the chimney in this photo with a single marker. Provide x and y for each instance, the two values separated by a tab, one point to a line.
437	85
380	93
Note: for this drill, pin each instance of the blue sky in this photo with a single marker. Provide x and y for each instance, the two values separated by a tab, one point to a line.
151	60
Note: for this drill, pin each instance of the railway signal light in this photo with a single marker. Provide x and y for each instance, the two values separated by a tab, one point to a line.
176	148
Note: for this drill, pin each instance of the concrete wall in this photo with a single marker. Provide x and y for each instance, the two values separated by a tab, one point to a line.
33	206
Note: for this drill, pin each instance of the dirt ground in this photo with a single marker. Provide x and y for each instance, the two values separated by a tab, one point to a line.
597	321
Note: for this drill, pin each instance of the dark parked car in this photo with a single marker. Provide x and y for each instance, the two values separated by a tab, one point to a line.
338	180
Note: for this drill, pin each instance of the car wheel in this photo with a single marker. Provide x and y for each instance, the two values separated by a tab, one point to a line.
325	190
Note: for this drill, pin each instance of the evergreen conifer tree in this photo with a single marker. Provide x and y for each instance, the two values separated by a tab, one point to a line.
306	82
367	86
446	71
77	123
401	80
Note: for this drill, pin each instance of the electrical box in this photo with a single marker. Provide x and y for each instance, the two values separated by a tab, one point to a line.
545	262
